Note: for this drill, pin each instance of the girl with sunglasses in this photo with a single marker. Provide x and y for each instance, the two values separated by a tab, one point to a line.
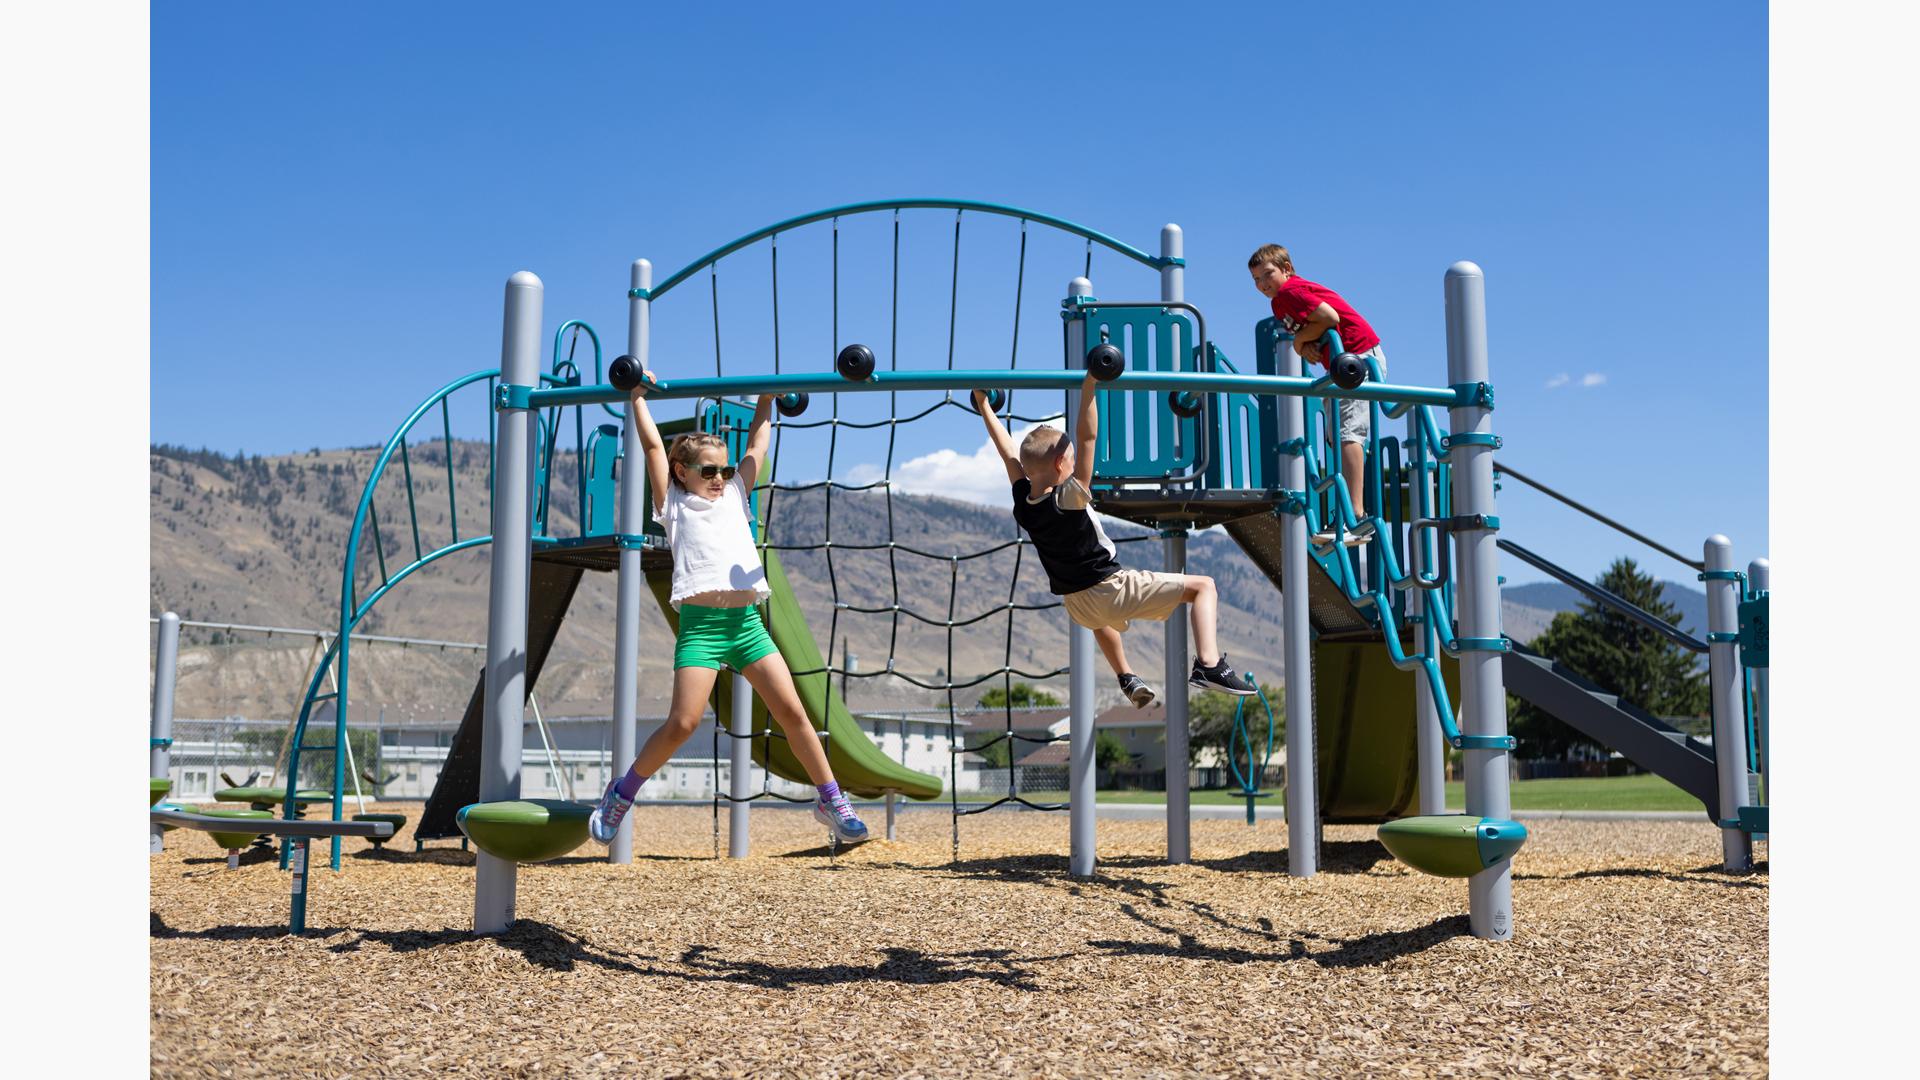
701	501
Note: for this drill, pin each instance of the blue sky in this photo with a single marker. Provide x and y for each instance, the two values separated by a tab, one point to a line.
339	194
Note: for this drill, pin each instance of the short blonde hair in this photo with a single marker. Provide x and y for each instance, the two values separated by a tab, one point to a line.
1271	255
1039	447
685	448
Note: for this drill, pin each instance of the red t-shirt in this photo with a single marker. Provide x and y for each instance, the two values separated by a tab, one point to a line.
1297	299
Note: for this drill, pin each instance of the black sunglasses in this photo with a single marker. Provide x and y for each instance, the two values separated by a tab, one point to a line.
708	472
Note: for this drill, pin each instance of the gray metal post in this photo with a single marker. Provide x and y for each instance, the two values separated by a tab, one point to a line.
1729	718
1173	286
503	731
1483	692
630	586
1303	811
1081	660
740	763
166	670
1759	579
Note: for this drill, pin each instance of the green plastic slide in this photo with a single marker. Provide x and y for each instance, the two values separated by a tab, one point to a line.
859	765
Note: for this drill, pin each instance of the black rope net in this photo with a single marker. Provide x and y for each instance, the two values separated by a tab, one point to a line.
912	606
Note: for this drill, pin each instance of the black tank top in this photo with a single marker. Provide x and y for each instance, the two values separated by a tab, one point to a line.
1066	535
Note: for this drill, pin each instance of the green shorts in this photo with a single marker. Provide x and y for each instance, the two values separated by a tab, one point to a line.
719	638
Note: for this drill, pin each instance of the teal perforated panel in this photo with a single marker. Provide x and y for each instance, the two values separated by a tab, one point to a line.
1140	437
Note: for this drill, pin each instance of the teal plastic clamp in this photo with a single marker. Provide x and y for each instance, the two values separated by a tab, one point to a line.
1166	534
1464	522
159	744
1071	303
1718	636
1485	742
1720	575
1172	260
1470	438
513	396
1482	644
1478	394
1292	447
639	294
1292	502
630	542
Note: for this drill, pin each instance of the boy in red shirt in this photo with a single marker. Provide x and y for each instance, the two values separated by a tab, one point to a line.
1308	310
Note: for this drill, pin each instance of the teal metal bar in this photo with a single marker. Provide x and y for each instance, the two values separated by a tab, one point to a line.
851	209
1200	382
453	506
413	512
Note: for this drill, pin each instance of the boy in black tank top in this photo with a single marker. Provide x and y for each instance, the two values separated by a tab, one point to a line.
1052	476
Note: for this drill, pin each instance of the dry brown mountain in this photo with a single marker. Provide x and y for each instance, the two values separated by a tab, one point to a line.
260	540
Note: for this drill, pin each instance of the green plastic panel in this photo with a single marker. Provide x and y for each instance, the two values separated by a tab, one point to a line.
1452	845
157	790
526	830
1363	731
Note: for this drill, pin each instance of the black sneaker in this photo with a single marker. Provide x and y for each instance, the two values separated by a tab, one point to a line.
1137	690
1220	677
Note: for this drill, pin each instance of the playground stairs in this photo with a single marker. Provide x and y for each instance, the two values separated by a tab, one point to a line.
1641	737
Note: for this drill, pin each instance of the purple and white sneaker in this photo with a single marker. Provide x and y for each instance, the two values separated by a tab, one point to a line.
607	817
839	818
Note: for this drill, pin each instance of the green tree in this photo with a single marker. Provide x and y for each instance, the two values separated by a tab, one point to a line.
1110	751
1210	721
1618	654
1022	695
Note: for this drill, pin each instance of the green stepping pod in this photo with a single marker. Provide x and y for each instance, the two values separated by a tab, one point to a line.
1452	845
157	790
272	796
233	841
527	830
399	822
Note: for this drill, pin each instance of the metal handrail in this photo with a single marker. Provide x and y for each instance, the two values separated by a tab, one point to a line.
1610	599
1502	468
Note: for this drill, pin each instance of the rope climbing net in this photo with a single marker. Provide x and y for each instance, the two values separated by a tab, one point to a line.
786	530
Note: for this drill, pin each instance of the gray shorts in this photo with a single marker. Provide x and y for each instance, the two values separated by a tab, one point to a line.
1355	416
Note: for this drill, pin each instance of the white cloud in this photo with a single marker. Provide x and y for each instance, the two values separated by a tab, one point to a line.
978	477
1559	381
1592	378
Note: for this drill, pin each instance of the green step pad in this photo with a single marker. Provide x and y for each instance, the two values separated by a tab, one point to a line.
527	830
1452	845
399	822
157	790
269	796
233	841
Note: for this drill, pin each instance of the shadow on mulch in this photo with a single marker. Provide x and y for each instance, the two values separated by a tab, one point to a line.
438	856
1336	857
1368	950
1705	875
252	856
158	928
548	947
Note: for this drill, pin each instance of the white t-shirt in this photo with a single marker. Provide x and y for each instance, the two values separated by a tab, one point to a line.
712	543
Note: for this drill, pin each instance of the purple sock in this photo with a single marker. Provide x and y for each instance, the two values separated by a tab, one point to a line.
629	785
829	791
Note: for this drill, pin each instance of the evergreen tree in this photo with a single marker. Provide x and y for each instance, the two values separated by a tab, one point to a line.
1618	654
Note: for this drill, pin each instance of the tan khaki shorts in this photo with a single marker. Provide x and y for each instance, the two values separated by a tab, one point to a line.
1127	595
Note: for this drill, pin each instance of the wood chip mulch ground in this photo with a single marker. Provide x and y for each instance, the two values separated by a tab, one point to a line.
1633	956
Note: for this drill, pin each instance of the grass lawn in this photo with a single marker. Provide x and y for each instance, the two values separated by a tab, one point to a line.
1644	792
